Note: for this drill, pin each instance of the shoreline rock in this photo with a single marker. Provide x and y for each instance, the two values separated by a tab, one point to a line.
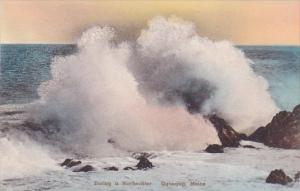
85	168
227	135
214	148
282	132
144	163
66	162
278	176
70	163
129	168
73	163
258	135
111	168
249	147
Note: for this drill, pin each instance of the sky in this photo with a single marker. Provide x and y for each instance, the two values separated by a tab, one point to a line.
242	22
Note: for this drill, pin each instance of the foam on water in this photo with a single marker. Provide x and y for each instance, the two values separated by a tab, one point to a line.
22	157
236	169
141	94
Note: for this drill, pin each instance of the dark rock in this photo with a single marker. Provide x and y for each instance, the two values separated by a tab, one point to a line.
111	168
278	176
66	162
70	163
214	148
297	176
243	136
259	135
249	147
227	135
296	109
85	168
282	132
129	168
73	163
144	163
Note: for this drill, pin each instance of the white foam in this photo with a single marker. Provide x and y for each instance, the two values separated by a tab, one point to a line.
22	157
108	90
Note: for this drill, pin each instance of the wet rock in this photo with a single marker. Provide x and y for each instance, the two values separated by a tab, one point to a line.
144	163
278	176
73	163
249	147
297	177
214	148
129	168
282	132
243	136
66	162
227	135
70	163
85	168
111	168
258	135
296	109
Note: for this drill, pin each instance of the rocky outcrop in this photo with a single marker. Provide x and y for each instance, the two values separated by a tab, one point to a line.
73	163
85	168
144	164
66	162
70	163
214	148
111	168
282	132
278	176
249	147
259	135
129	168
227	135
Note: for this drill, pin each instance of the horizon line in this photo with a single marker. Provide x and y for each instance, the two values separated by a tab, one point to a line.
76	43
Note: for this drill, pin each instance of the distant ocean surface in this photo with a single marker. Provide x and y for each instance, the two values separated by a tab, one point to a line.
24	67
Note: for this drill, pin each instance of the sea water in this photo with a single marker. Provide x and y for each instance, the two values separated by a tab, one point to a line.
23	67
34	166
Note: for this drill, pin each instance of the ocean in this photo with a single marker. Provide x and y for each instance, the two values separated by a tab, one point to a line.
90	106
24	67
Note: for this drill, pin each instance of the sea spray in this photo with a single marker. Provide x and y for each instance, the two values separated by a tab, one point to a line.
151	94
94	98
173	63
21	157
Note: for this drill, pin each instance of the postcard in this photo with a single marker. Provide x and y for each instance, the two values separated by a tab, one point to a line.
150	95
